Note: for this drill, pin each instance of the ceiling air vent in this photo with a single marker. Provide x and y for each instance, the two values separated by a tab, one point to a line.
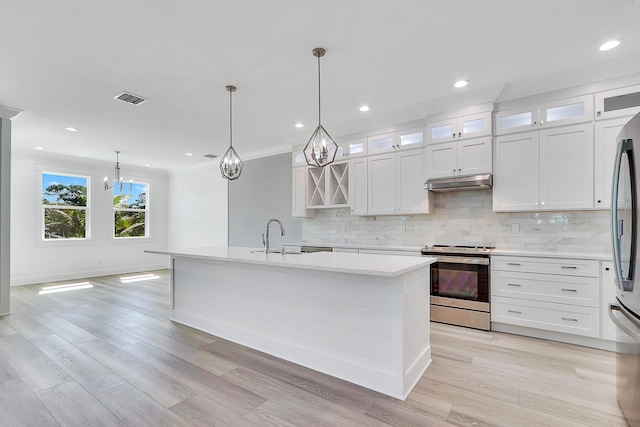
130	98
210	156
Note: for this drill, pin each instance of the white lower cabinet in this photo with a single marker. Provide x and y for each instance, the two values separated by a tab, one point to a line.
553	294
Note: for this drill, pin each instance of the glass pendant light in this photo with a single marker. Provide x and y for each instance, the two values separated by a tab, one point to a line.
117	178
321	149
231	164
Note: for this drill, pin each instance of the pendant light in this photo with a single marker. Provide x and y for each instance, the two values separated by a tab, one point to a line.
231	164
117	178
321	149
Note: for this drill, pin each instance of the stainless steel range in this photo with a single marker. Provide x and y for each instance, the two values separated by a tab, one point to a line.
460	285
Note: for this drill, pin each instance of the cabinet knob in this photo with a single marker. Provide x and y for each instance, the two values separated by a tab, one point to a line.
454	170
535	204
541	203
454	135
459	134
599	113
459	170
599	201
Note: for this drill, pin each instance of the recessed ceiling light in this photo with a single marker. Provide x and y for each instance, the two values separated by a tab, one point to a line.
39	148
299	125
364	108
189	154
461	83
609	45
148	165
70	129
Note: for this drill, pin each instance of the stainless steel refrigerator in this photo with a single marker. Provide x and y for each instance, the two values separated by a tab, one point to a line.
625	311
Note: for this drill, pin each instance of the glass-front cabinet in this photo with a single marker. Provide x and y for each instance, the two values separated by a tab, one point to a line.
393	141
618	102
470	126
562	112
352	148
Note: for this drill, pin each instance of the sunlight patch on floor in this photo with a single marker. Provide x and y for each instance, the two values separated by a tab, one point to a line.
64	288
139	278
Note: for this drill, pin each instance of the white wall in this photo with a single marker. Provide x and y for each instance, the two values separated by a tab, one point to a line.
466	217
34	260
198	207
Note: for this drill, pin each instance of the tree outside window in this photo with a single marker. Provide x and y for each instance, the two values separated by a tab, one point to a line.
64	205
130	211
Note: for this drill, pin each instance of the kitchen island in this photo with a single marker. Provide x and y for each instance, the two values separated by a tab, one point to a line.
362	318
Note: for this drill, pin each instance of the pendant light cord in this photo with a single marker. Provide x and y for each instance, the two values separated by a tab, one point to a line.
319	121
230	119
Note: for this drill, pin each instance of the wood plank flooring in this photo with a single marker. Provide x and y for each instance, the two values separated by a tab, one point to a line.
109	356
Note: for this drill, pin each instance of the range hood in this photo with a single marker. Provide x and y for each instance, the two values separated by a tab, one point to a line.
456	183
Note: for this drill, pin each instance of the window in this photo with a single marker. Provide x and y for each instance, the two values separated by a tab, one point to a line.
64	205
130	210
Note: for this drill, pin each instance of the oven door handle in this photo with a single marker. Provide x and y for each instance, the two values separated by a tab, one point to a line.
463	260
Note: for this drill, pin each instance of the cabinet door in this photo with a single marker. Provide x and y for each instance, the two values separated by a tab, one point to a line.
298	192
412	138
474	156
474	125
337	186
441	131
381	192
606	141
358	186
353	148
316	187
566	167
516	173
297	156
567	111
411	195
442	160
618	102
381	143
516	120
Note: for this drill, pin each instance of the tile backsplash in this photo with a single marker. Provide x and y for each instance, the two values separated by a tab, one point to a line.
466	217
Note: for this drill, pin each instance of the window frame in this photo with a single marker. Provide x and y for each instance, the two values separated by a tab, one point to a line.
86	209
145	211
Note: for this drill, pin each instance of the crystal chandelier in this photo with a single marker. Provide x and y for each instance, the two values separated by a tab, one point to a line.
321	149
231	164
117	178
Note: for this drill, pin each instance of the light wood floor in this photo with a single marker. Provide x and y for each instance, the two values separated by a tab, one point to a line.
108	355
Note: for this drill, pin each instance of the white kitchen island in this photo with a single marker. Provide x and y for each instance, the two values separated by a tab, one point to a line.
362	318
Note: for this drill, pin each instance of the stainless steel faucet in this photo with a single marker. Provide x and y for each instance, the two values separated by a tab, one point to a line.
265	235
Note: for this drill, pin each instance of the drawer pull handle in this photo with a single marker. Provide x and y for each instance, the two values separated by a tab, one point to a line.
514	311
514	284
571	319
569	290
513	263
569	267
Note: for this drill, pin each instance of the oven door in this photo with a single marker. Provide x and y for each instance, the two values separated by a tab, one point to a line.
464	278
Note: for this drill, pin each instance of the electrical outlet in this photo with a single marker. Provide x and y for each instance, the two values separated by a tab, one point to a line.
515	228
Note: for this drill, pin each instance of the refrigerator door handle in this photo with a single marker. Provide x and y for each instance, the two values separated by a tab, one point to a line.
623	282
628	325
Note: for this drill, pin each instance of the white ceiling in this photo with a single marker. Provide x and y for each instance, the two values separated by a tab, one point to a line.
63	61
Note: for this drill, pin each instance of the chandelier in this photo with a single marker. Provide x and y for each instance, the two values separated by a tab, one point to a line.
117	178
231	164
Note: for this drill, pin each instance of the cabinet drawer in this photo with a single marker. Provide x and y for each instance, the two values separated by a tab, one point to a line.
548	316
575	290
568	267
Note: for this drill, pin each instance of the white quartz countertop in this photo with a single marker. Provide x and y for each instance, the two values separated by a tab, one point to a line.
553	254
366	264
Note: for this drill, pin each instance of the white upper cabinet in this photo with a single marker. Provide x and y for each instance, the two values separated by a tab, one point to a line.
396	184
393	141
299	194
471	126
458	158
617	103
606	142
353	148
550	169
358	185
556	113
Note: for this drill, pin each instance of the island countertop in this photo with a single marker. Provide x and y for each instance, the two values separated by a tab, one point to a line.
369	264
